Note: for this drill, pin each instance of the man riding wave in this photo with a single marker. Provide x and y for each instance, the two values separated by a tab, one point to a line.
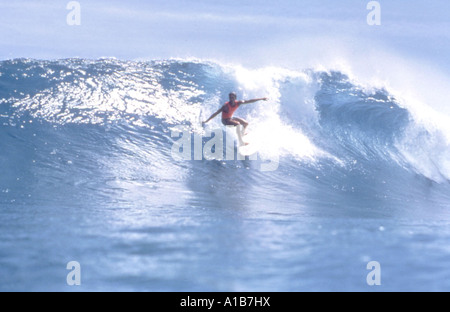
228	110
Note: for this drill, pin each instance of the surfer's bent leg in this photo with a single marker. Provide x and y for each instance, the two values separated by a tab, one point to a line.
243	122
230	122
233	122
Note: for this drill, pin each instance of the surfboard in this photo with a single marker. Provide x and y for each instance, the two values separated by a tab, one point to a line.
248	150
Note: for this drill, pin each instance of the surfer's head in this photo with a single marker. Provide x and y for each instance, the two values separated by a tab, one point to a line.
232	96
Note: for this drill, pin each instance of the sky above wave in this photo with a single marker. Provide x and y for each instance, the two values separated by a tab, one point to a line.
236	30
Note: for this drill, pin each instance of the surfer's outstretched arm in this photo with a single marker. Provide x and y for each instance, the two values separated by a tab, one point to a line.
213	115
254	100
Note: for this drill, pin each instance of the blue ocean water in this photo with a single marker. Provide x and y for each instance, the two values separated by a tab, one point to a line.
88	175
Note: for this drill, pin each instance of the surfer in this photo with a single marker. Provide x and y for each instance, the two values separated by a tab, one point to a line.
228	110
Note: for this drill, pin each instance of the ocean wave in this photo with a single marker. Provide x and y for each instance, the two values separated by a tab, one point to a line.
319	118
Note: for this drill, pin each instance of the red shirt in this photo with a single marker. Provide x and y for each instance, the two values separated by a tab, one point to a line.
231	109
